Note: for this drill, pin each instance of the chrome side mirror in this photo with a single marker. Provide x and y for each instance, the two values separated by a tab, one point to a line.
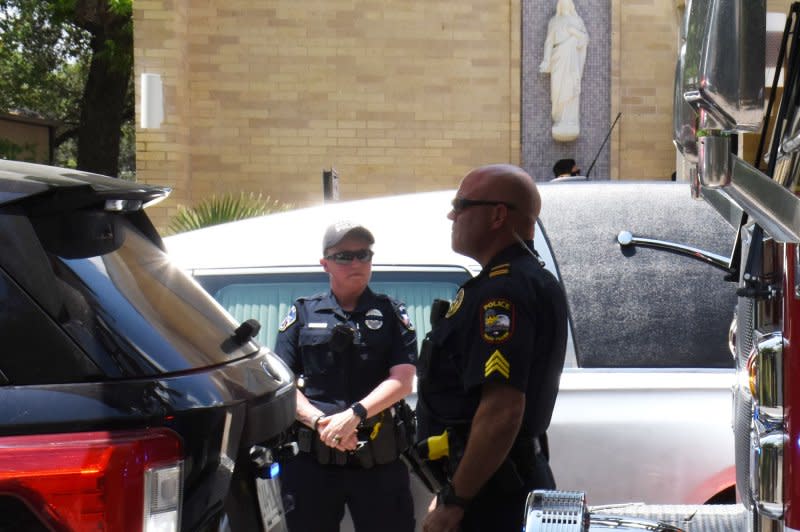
720	75
684	117
726	40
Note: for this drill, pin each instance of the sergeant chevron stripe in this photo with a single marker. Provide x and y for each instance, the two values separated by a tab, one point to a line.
497	362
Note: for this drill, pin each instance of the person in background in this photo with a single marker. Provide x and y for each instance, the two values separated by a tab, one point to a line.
354	353
489	369
565	168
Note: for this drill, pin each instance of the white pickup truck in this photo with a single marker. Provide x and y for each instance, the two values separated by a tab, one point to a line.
644	408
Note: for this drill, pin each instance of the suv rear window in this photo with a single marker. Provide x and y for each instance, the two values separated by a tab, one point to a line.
115	293
268	296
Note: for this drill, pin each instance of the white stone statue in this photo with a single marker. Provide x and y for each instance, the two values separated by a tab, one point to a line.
564	57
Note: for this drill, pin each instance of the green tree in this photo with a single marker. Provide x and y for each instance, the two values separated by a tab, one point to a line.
72	61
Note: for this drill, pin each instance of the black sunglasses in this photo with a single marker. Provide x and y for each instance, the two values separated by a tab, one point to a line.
459	204
346	257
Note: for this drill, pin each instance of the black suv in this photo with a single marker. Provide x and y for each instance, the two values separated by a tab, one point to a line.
129	400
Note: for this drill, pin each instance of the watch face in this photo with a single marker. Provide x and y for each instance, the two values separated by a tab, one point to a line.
359	410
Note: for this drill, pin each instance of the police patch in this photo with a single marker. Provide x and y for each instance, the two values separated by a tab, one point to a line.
290	318
374	319
403	312
497	320
456	304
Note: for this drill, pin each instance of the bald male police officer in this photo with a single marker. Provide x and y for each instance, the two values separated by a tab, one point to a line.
489	369
354	353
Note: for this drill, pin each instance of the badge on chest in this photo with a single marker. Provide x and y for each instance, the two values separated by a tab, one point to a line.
373	319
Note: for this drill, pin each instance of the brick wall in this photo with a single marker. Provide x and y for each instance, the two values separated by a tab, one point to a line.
644	51
162	155
262	96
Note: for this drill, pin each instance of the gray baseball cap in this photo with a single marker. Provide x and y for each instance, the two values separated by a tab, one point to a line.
336	232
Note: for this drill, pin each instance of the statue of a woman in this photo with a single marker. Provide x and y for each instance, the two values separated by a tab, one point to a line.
564	57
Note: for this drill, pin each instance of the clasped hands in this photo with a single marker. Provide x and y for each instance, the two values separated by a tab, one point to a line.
339	431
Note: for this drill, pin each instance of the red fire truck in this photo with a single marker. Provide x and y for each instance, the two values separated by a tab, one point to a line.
719	93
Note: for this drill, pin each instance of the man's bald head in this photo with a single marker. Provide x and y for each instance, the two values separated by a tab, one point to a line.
499	204
510	184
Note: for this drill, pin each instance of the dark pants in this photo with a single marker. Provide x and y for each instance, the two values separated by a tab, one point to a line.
379	498
493	510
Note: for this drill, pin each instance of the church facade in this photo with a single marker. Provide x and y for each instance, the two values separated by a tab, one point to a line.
398	97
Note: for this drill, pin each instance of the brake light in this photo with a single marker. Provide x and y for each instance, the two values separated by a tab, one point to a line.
121	480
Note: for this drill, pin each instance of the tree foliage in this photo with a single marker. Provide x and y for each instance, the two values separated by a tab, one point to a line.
221	209
71	61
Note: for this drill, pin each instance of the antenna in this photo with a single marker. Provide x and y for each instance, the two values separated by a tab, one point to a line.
589	171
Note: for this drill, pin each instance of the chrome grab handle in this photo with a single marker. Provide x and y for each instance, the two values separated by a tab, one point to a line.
627	239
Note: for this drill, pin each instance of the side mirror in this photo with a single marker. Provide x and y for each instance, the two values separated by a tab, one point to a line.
726	43
684	117
720	75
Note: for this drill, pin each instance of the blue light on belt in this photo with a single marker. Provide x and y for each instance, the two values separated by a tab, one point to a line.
274	470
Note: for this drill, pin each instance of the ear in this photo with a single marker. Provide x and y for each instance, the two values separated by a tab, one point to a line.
499	216
324	264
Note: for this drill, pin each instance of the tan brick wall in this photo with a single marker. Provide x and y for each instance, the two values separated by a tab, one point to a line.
162	154
645	44
262	96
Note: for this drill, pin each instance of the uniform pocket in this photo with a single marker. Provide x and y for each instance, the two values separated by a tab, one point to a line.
315	349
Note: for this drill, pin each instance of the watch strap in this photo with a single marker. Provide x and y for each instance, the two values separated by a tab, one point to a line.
359	410
447	497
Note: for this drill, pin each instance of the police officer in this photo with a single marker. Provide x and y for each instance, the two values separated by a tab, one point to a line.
491	376
354	353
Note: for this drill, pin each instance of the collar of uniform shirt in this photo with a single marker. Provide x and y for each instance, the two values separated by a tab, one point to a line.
330	303
514	250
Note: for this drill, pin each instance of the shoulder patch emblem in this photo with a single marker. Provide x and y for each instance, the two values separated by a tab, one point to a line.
456	304
290	318
497	320
497	363
374	319
500	269
402	311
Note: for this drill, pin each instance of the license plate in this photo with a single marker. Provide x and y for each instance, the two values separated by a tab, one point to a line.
271	504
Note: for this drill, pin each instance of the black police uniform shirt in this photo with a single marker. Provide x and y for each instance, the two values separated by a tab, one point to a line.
507	325
383	337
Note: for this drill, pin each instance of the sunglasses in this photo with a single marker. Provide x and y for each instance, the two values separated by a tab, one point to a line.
346	257
460	204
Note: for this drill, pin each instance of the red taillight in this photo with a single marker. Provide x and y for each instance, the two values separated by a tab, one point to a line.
86	480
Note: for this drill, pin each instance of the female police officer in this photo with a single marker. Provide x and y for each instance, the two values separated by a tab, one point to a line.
354	353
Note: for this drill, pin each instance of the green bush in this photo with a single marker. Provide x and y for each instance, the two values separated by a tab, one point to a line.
222	209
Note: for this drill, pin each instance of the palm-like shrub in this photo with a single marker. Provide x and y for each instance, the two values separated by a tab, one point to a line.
221	209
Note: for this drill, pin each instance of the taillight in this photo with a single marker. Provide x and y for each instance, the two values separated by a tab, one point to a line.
121	480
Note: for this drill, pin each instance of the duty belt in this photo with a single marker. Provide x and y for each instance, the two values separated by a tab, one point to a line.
381	440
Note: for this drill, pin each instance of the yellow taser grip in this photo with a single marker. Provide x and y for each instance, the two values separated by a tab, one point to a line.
375	430
438	446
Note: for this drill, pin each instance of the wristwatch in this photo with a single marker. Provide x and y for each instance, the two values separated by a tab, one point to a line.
359	410
447	496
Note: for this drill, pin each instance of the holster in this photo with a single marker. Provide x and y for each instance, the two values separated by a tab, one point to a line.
439	308
424	359
518	466
380	439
